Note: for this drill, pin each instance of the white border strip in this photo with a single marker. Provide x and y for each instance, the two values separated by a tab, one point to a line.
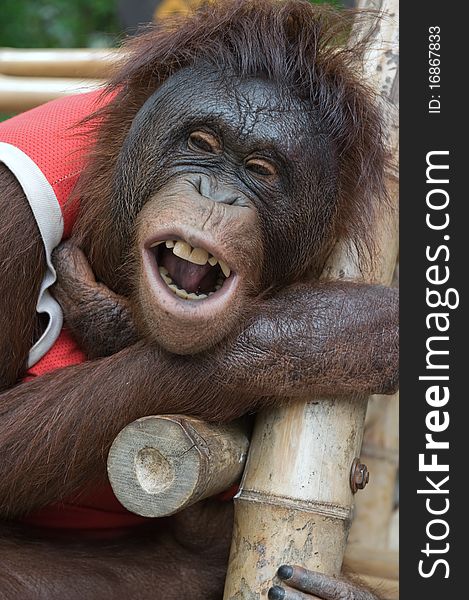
48	215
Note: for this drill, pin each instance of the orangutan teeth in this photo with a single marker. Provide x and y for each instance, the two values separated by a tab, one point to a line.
193	296
165	275
181	293
225	268
198	256
182	249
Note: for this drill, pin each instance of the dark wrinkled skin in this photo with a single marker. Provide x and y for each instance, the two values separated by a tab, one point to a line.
93	313
300	584
252	118
284	336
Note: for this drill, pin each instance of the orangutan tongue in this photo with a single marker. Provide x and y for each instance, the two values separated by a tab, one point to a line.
187	275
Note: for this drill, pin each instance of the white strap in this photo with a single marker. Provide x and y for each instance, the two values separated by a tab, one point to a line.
48	215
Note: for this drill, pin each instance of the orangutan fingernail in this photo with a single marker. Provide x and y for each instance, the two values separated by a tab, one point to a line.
276	593
285	572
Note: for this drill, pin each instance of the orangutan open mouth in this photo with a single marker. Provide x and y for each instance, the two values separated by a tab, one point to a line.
190	273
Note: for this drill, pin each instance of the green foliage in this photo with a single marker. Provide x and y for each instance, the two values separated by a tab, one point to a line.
57	23
64	23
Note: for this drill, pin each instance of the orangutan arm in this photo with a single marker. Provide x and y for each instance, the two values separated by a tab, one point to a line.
181	557
55	431
22	268
101	321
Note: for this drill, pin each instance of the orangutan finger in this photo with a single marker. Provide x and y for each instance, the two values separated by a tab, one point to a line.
323	586
72	264
279	593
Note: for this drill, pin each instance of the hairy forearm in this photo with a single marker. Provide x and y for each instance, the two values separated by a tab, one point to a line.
309	339
22	267
329	338
56	430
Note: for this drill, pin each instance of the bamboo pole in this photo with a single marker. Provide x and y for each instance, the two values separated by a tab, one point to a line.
374	508
380	450
21	93
295	501
159	465
382	564
83	63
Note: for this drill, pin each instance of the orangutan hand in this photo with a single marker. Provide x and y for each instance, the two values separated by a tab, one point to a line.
100	320
301	584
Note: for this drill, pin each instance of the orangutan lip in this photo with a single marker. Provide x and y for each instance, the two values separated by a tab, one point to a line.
188	309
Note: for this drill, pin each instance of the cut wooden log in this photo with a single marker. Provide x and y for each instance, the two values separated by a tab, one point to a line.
159	465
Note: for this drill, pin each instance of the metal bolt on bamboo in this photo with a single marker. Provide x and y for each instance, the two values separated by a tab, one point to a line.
359	476
374	509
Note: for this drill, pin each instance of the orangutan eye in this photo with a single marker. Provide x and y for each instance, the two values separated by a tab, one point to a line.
261	167
202	141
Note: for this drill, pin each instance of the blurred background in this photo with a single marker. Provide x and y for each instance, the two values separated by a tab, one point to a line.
25	77
82	23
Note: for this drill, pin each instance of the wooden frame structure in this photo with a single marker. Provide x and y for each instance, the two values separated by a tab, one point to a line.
31	77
